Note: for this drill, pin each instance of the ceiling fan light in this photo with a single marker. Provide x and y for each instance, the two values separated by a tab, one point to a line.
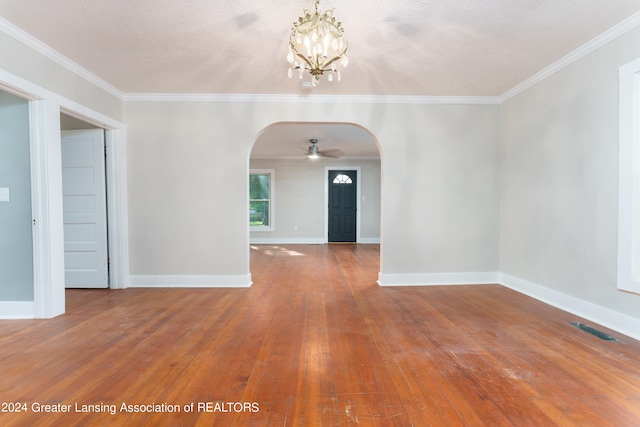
313	152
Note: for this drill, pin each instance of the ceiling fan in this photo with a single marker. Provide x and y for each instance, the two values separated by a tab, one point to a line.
313	152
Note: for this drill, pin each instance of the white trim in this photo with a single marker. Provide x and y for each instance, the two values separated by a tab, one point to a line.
305	241
17	310
117	208
46	188
613	33
46	209
35	44
622	28
629	179
611	319
436	279
20	87
190	281
287	240
334	99
358	171
608	318
369	240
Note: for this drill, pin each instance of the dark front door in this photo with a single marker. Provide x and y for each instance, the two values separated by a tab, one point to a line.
342	206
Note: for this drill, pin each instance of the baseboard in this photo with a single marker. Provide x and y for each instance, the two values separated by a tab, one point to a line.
304	241
608	318
190	281
17	310
434	279
611	319
369	240
287	241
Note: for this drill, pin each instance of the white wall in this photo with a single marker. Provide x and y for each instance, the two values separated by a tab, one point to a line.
300	209
188	177
559	180
16	252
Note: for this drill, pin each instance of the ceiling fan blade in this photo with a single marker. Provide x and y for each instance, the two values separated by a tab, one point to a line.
312	151
334	154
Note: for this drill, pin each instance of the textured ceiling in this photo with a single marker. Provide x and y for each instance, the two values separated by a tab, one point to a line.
396	47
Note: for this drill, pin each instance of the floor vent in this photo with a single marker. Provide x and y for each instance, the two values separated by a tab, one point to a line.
593	331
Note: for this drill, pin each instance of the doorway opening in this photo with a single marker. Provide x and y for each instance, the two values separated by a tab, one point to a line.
310	208
16	221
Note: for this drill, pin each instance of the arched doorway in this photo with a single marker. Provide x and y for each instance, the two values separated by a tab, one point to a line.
289	192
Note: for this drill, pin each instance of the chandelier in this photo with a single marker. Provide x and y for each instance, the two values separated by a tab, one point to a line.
317	45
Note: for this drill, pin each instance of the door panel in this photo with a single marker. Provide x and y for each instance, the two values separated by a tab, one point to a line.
342	206
84	209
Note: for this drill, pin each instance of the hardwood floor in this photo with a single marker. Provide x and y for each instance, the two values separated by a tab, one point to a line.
315	342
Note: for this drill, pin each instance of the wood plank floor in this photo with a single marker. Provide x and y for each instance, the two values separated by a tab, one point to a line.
315	342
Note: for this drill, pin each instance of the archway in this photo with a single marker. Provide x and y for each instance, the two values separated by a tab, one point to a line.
293	210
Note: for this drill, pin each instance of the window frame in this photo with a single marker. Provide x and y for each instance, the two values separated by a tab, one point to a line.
629	179
340	180
272	175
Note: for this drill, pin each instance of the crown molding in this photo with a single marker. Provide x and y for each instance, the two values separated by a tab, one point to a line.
608	36
622	28
284	98
35	44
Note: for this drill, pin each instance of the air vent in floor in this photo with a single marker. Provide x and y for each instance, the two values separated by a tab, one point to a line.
593	331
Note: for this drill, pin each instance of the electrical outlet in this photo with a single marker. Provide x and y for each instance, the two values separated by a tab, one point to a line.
4	194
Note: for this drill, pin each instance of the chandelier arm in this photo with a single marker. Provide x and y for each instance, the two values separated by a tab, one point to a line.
305	59
334	60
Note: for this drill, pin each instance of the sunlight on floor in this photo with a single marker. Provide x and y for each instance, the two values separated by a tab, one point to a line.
276	251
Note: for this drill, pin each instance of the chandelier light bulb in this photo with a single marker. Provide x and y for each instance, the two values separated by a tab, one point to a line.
317	45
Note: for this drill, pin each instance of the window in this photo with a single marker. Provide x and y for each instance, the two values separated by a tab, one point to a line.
629	179
261	199
342	179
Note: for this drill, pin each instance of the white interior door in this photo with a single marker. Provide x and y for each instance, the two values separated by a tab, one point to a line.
85	209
